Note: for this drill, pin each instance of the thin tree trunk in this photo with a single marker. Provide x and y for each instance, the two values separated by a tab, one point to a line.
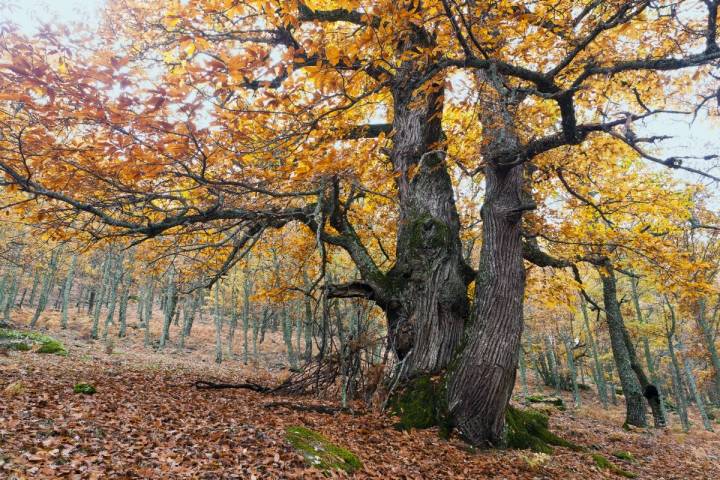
11	296
124	299
523	375
632	391
573	372
189	311
694	390
148	309
247	290
46	287
218	326
99	299
680	404
170	299
33	291
66	292
599	371
287	337
553	364
113	293
233	320
708	337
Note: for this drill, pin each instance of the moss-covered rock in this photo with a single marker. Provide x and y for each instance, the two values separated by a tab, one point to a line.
606	464
623	455
15	389
52	346
554	401
45	343
422	403
84	388
18	346
320	452
528	430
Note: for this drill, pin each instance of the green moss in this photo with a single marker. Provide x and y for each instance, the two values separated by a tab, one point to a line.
426	231
528	430
555	401
85	388
52	346
47	343
18	346
623	455
422	403
606	464
320	453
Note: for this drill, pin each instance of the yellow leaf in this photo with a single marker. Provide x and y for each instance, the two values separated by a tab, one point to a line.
333	54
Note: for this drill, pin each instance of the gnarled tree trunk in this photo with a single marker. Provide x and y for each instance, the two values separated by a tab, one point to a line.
426	296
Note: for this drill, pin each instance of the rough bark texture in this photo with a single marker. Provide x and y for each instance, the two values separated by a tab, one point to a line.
480	386
634	400
481	382
426	296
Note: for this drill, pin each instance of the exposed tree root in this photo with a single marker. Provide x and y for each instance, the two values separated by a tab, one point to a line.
315	377
203	384
325	409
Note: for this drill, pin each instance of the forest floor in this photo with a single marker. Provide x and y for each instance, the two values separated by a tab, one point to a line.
148	421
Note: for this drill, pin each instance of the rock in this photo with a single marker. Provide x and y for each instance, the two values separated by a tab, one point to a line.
606	464
15	389
528	430
320	453
84	388
554	401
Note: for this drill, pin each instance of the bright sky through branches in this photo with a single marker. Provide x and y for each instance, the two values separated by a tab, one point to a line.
29	14
697	139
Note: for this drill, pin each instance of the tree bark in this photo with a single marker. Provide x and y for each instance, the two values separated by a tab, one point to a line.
632	391
701	316
479	388
426	296
599	371
67	291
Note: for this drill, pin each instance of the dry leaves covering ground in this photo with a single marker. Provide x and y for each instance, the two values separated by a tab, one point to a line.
146	421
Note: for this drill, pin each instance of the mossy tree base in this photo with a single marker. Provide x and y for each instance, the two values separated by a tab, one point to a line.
321	453
422	403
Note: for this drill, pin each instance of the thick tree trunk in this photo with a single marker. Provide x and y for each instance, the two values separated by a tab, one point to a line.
479	387
632	391
425	298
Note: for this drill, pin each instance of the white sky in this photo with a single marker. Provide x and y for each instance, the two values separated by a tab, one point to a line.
699	139
29	14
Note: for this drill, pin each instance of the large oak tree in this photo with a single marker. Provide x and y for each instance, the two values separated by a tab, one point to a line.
224	119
